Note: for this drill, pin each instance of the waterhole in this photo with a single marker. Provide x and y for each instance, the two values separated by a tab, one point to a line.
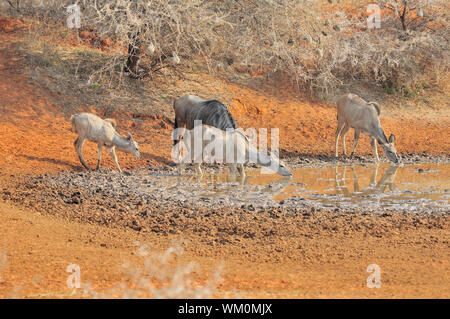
373	188
383	185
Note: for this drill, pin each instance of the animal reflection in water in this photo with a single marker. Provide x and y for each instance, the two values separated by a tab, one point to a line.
240	179
235	187
274	188
374	187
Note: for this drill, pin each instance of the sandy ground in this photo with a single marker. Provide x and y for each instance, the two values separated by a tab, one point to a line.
308	255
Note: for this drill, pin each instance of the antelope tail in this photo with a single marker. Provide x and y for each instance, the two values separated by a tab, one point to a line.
72	120
376	106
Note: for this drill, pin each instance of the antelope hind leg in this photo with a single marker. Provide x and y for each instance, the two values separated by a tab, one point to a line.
355	142
100	147
79	143
344	133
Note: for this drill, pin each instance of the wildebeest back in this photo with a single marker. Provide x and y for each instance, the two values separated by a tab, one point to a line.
213	113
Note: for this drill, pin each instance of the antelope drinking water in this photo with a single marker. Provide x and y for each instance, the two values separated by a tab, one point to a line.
353	111
101	131
231	147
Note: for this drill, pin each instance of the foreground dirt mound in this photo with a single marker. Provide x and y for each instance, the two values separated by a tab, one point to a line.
290	250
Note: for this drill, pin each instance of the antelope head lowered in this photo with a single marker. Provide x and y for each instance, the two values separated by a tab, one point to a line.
354	112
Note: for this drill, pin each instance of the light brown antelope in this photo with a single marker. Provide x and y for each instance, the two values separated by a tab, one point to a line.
354	112
101	131
231	147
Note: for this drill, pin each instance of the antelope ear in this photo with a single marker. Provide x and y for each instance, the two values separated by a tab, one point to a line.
130	137
392	138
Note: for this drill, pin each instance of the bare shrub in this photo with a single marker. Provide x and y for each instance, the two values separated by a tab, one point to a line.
321	46
415	15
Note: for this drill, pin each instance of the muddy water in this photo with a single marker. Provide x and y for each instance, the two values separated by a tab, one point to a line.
369	188
377	186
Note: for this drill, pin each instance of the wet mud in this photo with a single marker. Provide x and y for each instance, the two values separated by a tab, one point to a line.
218	206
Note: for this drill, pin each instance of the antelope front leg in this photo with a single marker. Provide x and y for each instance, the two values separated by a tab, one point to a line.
243	178
100	146
112	150
374	146
79	142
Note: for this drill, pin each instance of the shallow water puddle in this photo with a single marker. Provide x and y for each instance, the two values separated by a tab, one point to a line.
410	186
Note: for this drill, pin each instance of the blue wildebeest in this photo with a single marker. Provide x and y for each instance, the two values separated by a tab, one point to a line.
190	108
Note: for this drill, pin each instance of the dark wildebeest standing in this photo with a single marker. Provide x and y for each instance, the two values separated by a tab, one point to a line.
189	108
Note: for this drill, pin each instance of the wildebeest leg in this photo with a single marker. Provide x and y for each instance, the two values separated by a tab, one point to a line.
79	142
179	128
175	132
177	153
355	142
344	133
338	132
374	146
112	150
100	146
